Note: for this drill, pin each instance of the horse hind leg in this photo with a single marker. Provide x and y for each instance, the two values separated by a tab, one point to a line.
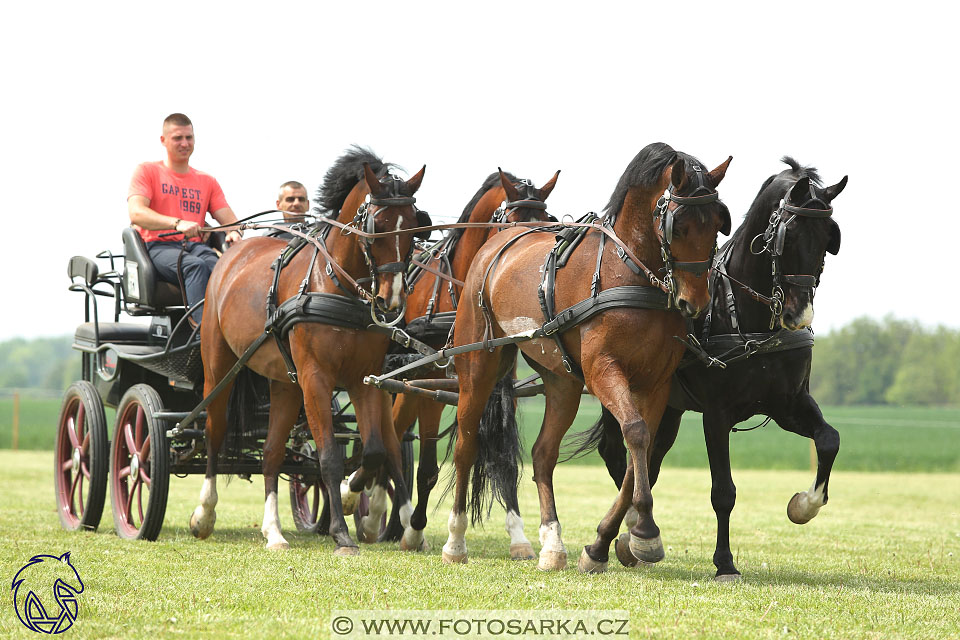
427	474
285	402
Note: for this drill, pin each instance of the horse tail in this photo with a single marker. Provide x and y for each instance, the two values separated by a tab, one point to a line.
497	469
607	438
243	408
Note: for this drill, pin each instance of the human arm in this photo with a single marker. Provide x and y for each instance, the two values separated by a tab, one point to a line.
146	218
225	215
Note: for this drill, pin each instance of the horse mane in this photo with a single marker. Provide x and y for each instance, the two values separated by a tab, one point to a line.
493	180
768	197
645	170
344	175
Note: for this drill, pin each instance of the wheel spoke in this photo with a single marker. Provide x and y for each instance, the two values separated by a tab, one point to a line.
129	512
140	501
85	470
81	416
144	477
124	472
80	501
139	436
67	465
85	445
145	449
128	437
72	433
73	492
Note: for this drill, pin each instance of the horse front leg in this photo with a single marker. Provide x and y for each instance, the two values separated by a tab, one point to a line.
662	443
723	493
804	418
318	391
285	402
367	402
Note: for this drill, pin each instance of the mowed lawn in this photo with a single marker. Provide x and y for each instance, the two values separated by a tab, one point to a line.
882	560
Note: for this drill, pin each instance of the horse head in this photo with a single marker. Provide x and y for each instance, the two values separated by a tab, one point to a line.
525	203
46	574
800	232
688	218
389	208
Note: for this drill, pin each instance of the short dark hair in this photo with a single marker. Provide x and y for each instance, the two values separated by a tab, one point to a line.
177	120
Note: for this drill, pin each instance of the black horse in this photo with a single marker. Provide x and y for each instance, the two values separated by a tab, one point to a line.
755	349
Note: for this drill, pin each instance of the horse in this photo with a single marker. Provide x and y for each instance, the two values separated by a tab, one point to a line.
310	358
430	307
623	347
782	252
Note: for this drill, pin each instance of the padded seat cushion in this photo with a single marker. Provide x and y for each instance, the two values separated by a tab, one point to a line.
115	332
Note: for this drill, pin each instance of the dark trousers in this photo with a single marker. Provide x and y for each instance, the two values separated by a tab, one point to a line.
198	262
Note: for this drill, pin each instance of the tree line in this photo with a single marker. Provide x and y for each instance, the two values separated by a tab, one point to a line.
868	361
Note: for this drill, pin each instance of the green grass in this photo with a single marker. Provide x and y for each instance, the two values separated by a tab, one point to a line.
882	560
871	438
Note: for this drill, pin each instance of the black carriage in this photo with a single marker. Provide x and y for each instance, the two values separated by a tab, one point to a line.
151	373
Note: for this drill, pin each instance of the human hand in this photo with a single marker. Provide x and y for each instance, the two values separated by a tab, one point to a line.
232	236
188	229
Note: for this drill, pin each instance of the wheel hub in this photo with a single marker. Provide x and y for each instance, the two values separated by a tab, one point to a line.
76	459
135	465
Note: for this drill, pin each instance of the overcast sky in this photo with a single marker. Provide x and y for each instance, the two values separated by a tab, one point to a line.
276	92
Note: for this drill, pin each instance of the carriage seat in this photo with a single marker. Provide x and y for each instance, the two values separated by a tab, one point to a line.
143	291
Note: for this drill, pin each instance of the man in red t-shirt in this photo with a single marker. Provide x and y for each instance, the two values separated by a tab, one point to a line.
170	195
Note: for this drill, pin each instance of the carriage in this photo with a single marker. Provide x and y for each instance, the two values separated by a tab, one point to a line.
151	373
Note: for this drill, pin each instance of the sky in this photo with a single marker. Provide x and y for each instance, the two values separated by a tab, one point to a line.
278	90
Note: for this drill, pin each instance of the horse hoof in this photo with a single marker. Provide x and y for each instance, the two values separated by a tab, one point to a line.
423	545
349	499
799	509
201	529
451	558
622	547
363	534
522	551
646	550
345	552
278	546
728	577
586	564
552	560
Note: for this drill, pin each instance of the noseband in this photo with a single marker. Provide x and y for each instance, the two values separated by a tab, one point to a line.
774	238
701	195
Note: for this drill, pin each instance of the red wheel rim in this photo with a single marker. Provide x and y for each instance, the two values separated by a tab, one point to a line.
131	464
73	461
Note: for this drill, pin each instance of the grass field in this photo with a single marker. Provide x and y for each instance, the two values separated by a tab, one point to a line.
872	438
882	560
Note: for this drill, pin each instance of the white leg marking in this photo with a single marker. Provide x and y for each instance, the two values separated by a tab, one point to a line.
271	524
347	497
370	523
456	545
514	526
805	505
205	515
550	538
412	538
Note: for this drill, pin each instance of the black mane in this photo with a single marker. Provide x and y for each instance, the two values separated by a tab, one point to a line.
491	181
344	175
644	170
776	186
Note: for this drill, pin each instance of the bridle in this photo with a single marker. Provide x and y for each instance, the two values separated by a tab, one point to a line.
366	220
701	195
528	200
774	238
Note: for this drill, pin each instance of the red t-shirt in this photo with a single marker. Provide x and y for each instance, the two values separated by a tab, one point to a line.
188	196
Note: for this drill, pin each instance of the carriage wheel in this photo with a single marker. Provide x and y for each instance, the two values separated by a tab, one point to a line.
139	465
307	496
80	458
390	530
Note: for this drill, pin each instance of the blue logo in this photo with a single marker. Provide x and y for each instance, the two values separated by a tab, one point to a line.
40	577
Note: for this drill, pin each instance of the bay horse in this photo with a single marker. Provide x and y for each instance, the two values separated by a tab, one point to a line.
782	252
358	189
625	354
431	305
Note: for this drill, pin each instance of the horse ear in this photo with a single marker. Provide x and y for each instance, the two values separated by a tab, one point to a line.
548	187
725	219
508	188
833	246
65	557
414	183
832	192
373	183
800	191
678	174
716	176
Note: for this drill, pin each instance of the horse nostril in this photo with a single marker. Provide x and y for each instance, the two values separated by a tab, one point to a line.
688	310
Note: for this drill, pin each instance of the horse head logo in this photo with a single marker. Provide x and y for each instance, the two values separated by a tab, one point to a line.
42	575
